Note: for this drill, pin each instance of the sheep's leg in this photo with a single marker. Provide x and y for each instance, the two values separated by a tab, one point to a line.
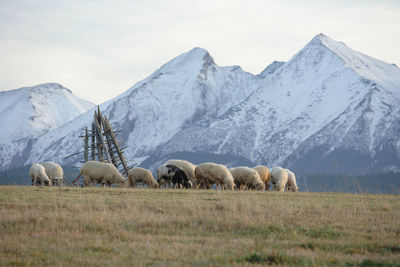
87	181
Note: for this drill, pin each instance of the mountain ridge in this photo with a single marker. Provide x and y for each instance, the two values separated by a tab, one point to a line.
311	113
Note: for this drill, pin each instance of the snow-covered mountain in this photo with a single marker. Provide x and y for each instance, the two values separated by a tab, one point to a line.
29	112
184	90
329	108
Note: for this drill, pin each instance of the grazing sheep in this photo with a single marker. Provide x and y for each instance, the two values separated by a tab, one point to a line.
279	178
164	176
291	183
170	174
138	174
247	177
179	179
265	175
38	175
186	166
99	172
54	172
209	173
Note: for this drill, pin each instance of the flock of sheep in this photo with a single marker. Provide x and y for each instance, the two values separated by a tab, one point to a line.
173	173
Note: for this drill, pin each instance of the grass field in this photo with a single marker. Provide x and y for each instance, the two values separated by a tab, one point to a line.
115	226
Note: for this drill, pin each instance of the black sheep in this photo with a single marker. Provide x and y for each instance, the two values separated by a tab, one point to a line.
179	178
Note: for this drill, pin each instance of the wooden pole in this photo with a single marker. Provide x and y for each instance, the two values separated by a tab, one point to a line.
86	145
106	130
116	145
109	143
98	145
93	143
100	135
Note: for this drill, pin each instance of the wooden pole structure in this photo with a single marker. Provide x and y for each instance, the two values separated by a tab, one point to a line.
103	141
93	143
116	145
100	135
86	153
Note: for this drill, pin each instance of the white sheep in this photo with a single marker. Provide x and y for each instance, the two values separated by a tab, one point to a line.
247	177
54	172
209	173
291	183
38	175
164	176
186	166
138	174
279	178
104	173
265	175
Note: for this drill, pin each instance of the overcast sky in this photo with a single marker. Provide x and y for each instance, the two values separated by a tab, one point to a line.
99	49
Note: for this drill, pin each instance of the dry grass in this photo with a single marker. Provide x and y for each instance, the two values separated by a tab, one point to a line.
114	226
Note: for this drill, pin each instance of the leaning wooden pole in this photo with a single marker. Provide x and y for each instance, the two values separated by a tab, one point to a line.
98	143
116	145
100	135
108	140
86	153
93	144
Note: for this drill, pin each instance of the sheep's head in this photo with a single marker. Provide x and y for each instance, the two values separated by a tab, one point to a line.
276	187
123	182
230	185
155	185
260	186
293	188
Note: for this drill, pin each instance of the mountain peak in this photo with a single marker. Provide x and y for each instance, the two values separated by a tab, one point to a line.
197	50
51	86
39	87
31	111
365	66
322	39
189	61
